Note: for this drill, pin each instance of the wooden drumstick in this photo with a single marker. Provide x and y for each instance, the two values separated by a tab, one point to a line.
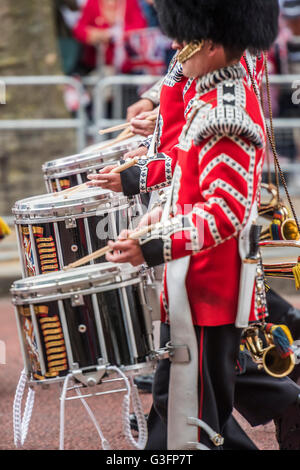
128	164
114	128
152	117
126	134
106	249
119	138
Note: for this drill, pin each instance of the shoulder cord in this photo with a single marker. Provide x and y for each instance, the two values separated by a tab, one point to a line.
21	424
271	135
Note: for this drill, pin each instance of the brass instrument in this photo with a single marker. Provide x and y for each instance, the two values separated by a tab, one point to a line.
267	356
282	227
289	230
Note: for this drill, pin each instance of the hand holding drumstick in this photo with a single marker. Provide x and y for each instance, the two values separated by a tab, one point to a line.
111	170
125	250
142	124
110	176
107	178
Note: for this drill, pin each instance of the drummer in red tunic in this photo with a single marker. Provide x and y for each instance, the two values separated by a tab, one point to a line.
218	164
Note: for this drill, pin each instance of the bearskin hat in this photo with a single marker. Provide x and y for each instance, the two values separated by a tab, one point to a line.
242	24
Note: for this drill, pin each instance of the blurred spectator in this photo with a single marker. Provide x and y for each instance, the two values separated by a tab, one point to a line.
125	34
152	20
291	13
149	12
102	23
67	13
283	60
126	39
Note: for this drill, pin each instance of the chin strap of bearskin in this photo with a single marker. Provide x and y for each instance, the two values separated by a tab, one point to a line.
183	404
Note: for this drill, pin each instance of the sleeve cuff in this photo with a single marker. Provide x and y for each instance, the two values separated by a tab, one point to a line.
153	252
130	180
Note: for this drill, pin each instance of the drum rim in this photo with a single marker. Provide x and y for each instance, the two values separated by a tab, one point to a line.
60	208
129	370
86	280
91	156
78	170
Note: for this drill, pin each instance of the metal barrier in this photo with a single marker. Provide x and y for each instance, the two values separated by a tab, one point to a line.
101	87
290	168
294	81
78	123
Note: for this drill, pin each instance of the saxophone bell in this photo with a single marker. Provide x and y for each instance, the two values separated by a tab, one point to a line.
275	365
268	357
289	230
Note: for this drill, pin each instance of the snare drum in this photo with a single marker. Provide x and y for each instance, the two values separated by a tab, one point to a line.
54	231
70	171
83	321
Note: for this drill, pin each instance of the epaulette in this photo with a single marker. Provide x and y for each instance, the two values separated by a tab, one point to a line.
228	118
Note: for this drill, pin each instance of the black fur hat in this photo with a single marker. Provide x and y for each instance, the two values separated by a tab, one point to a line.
242	24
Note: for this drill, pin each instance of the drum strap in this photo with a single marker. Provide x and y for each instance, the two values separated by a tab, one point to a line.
183	403
21	424
183	385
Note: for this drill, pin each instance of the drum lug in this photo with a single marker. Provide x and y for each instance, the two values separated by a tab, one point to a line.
175	353
159	354
131	201
70	222
90	379
77	300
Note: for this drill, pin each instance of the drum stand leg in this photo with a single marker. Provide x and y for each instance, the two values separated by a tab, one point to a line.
62	412
63	398
132	392
105	443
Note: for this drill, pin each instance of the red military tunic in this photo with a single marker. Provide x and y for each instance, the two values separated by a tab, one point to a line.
176	100
217	177
175	95
171	112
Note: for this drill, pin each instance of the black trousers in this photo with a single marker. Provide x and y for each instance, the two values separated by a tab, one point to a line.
218	351
257	396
